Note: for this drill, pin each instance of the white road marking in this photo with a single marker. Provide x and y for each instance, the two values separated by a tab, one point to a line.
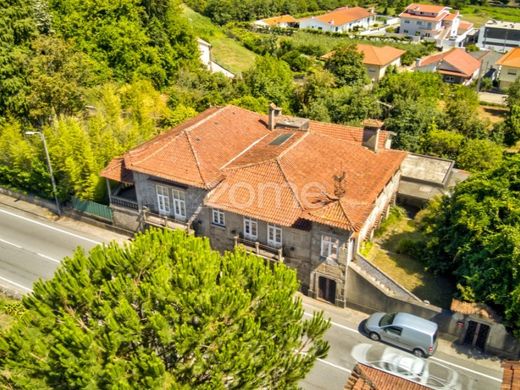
48	258
50	227
335	366
10	243
467	369
432	358
15	284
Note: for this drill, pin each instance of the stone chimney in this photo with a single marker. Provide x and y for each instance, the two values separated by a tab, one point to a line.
274	112
371	130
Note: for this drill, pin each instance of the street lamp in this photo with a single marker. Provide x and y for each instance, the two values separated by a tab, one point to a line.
42	136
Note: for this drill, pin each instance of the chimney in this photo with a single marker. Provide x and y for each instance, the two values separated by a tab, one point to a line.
417	62
371	130
274	112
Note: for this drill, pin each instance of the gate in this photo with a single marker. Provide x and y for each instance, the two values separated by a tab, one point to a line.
92	208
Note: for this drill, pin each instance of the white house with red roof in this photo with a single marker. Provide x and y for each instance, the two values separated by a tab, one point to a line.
434	22
341	20
456	66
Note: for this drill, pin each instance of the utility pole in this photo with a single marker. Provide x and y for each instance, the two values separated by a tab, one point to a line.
54	190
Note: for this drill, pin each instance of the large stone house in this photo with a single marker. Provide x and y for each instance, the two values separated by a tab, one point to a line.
289	189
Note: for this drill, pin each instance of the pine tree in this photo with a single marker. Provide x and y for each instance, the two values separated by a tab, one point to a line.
165	311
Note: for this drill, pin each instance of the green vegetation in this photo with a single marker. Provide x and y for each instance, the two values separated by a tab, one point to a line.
475	234
393	251
479	14
225	51
165	311
10	310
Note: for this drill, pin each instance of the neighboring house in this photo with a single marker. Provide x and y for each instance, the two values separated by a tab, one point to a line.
511	376
434	23
499	36
282	21
341	20
377	59
206	59
364	377
509	68
488	60
289	189
456	66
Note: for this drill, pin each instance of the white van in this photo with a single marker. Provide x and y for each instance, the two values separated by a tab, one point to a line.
404	330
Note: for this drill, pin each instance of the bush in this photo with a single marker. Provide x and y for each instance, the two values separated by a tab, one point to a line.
410	247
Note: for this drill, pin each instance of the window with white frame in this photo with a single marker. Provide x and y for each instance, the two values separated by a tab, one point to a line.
329	247
250	229
179	204
218	218
163	200
274	236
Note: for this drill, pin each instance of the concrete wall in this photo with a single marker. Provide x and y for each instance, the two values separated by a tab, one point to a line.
125	218
507	76
319	25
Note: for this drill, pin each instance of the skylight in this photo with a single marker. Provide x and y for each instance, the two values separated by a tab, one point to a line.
281	139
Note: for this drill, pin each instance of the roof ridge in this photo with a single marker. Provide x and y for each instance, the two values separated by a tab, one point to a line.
244	151
345	213
197	162
252	164
283	152
289	184
148	156
203	120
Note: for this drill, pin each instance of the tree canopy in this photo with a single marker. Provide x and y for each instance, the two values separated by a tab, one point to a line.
165	311
475	235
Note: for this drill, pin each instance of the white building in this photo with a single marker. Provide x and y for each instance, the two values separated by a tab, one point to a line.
436	23
341	20
205	58
499	36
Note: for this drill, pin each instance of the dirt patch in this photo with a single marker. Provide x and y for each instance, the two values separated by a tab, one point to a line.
493	113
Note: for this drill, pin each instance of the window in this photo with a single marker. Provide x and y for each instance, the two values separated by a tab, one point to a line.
419	22
406	22
274	236
394	330
179	204
163	200
250	229
511	72
218	218
405	31
329	247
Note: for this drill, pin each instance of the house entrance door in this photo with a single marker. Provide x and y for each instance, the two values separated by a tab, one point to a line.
476	334
327	289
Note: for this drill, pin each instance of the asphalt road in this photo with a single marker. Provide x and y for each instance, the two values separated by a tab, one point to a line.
31	248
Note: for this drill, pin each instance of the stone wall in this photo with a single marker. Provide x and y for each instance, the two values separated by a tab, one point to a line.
126	218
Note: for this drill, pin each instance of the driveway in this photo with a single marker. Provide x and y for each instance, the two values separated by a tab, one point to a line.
494	98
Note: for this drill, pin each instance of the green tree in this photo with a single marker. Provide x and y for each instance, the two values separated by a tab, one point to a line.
347	65
462	111
479	155
443	143
474	234
272	79
411	85
512	123
165	311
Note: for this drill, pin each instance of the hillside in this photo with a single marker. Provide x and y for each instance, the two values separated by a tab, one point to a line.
226	51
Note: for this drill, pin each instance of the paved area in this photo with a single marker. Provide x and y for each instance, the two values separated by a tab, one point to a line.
495	98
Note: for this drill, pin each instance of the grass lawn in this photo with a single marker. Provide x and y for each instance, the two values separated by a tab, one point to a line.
225	51
479	15
493	113
408	272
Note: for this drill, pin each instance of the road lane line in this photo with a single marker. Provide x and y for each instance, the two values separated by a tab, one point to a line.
335	365
48	257
15	284
10	243
50	227
466	369
432	358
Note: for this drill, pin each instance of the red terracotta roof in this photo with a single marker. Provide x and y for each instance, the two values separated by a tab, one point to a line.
511	58
452	16
344	15
428	8
464	26
374	55
283	176
511	377
117	171
413	12
464	64
369	378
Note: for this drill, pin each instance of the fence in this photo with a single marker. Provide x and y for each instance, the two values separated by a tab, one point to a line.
92	208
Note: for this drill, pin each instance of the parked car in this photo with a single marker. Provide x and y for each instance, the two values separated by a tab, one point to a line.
404	365
404	330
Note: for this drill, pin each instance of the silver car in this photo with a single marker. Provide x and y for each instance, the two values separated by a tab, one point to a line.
404	330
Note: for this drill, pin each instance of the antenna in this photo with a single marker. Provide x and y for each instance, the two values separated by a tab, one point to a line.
339	185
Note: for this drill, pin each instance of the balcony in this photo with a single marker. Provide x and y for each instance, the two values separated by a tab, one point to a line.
125	197
265	251
151	216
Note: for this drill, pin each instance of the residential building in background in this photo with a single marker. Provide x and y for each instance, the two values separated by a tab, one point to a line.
509	68
498	35
376	59
282	21
456	66
341	20
435	23
288	189
207	60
